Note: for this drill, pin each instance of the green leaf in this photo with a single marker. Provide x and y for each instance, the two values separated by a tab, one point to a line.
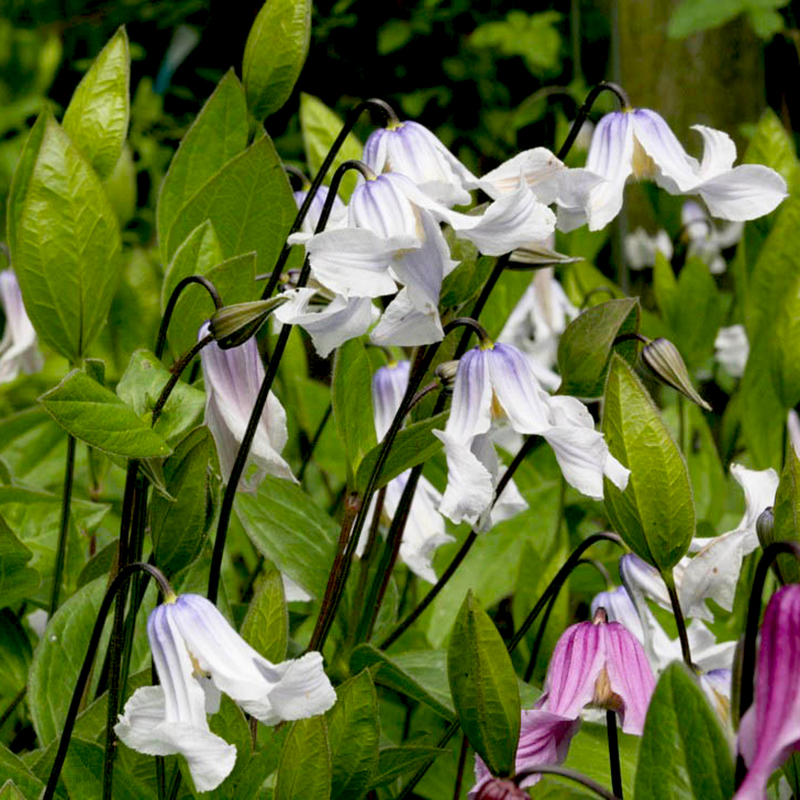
179	528
785	341
229	724
83	774
419	674
217	135
695	16
235	282
305	767
67	246
484	688
665	286
787	515
351	396
320	127
266	624
766	22
287	527
353	734
15	653
396	761
140	387
773	146
98	113
655	514
249	202
98	417
276	50
684	753
414	445
585	347
13	768
58	658
17	580
9	791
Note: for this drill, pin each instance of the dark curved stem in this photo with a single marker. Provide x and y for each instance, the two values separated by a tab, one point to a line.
161	340
420	773
226	507
480	303
583	112
18	698
66	499
462	760
563	772
556	583
349	123
613	753
528	445
72	713
175	376
680	622
314	442
537	644
751	632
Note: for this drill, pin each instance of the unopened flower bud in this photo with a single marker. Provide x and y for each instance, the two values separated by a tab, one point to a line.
233	325
663	359
765	526
446	373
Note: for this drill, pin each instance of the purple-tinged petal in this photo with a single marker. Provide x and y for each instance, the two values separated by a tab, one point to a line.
388	388
470	411
516	389
338	215
630	676
676	168
619	608
770	729
382	206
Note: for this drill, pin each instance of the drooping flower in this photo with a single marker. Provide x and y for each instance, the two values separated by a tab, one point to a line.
19	348
598	664
425	528
233	378
496	382
198	655
706	240
338	212
769	731
639	143
412	150
731	349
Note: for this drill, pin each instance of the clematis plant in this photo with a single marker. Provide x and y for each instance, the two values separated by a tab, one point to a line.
19	347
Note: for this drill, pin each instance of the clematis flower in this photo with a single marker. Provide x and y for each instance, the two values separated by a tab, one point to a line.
198	655
639	143
599	664
641	248
19	349
412	150
713	570
425	527
731	349
769	731
496	381
338	209
233	378
706	240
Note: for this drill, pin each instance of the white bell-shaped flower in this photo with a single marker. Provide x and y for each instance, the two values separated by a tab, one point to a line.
19	347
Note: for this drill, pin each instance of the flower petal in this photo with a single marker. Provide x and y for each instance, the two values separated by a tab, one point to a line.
630	676
404	325
744	193
470	489
470	410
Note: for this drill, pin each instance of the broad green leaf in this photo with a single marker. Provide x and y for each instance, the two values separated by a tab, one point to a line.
98	113
504	297
320	127
352	402
787	515
695	16
353	734
217	135
418	674
196	255
9	791
665	286
684	753
305	767
12	768
16	425
773	146
414	445
396	761
276	50
98	417
83	774
266	624
17	580
784	336
230	724
58	658
121	187
15	653
179	528
585	347
140	387
249	202
67	246
655	514
235	282
484	688
287	527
